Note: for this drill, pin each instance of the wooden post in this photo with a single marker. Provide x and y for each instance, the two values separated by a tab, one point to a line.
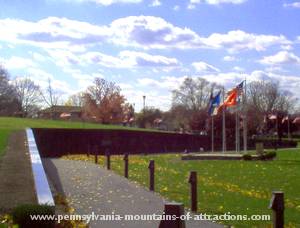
96	153
151	175
96	157
107	159
193	183
173	209
277	205
125	165
88	151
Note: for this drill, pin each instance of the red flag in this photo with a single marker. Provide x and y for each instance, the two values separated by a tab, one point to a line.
231	99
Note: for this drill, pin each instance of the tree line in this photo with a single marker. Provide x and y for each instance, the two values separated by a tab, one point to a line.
103	102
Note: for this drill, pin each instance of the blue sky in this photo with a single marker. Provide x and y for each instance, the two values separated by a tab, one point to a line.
148	47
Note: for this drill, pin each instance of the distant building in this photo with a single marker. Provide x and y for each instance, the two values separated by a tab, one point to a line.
61	112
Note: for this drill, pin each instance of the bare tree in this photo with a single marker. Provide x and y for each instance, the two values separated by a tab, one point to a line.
264	98
9	104
50	96
267	97
75	100
28	94
193	94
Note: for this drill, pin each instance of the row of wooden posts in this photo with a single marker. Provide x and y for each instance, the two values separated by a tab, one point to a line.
276	204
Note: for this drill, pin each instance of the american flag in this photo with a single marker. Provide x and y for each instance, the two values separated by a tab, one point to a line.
240	87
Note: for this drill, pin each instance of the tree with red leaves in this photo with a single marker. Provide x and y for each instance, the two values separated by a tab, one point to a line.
103	102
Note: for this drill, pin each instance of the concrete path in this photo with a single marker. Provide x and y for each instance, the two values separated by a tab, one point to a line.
16	179
92	188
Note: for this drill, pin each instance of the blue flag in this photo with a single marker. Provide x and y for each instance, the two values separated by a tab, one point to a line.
214	103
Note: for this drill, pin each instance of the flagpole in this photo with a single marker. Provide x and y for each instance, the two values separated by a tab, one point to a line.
239	132
245	141
223	125
289	132
277	129
236	130
212	134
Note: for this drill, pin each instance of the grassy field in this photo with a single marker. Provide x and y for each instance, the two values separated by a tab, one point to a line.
9	124
238	187
4	134
21	123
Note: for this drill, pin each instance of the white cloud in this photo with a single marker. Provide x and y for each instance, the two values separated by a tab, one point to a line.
227	79
64	58
16	62
286	47
38	57
52	32
282	57
130	59
145	60
274	69
292	5
85	80
259	75
41	77
229	58
176	8
152	32
238	69
155	32
192	4
203	67
217	2
107	2
287	82
144	32
155	3
238	40
167	82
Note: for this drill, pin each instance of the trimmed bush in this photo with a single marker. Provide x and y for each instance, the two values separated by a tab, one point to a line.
21	216
247	157
268	155
273	143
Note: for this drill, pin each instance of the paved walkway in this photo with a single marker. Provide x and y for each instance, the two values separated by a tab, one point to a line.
92	188
16	179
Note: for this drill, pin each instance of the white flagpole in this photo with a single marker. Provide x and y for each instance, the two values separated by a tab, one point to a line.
223	125
277	126
236	130
289	130
212	134
245	118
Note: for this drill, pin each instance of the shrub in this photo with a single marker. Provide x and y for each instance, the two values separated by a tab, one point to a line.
21	215
247	157
268	155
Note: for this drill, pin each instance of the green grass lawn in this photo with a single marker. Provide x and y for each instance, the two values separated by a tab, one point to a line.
4	134
22	123
9	124
238	187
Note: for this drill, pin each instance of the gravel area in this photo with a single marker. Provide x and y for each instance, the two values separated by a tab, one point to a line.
91	188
